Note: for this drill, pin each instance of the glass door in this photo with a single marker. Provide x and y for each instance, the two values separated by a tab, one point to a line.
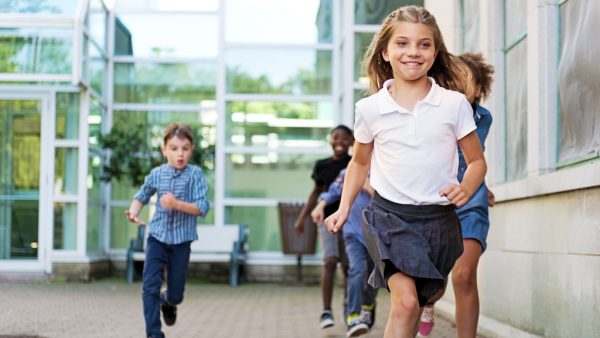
20	166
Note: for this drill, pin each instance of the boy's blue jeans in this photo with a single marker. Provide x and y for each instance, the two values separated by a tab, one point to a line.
159	255
359	291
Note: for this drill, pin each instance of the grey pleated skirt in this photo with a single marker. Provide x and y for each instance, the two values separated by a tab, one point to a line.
421	241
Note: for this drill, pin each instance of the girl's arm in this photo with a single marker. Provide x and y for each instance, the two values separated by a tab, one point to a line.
310	203
476	169
355	178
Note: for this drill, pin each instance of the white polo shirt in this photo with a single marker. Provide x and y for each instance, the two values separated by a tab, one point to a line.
415	152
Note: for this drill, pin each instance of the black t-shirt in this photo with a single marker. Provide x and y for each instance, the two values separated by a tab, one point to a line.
324	173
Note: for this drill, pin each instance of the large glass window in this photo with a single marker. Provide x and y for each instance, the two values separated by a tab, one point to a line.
470	25
65	226
280	21
253	175
279	71
35	50
167	35
372	12
20	145
97	64
65	176
145	82
168	5
95	206
97	21
263	224
47	6
361	44
279	124
579	81
67	116
516	88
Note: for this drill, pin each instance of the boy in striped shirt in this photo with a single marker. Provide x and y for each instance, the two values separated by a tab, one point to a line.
181	191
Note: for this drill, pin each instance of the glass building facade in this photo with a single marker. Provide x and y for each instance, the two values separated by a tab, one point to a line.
261	82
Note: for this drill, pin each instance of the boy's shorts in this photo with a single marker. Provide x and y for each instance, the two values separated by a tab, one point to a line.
331	245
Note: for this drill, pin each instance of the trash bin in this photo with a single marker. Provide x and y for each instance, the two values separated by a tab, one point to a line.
292	243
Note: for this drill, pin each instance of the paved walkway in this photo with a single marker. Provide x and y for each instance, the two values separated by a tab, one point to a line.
111	308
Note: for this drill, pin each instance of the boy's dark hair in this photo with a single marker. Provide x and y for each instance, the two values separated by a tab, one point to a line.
180	130
343	128
482	73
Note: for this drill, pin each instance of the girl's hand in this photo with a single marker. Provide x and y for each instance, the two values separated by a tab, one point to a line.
456	194
133	218
335	222
168	201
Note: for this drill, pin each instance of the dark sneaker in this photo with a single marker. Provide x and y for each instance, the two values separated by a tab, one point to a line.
368	314
327	319
357	327
169	313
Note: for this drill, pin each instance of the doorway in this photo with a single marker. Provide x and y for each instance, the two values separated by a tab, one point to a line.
22	158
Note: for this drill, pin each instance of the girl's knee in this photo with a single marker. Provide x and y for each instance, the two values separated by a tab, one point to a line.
463	277
408	304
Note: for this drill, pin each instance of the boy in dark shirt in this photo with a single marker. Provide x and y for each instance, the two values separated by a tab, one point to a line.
324	173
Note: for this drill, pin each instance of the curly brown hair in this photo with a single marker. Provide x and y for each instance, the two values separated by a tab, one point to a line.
482	73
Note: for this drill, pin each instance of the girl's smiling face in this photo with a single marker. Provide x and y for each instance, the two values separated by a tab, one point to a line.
178	152
410	51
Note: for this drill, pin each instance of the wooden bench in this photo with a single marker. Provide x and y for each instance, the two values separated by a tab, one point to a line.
215	244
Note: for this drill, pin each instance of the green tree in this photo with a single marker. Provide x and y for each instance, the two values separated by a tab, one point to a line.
132	156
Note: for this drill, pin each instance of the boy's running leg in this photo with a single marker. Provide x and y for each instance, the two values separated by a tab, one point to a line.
329	246
404	312
327	276
356	277
179	257
156	259
464	280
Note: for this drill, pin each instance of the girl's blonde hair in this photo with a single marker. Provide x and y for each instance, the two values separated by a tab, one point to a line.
444	69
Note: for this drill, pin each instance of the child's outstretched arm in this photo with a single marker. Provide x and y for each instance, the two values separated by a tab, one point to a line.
310	203
133	212
355	178
332	195
476	169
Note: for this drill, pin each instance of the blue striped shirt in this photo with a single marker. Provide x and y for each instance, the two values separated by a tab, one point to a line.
187	185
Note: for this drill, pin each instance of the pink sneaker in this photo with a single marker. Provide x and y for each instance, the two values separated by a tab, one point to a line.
427	321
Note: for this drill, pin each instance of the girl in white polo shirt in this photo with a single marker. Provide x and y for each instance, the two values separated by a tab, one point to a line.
407	133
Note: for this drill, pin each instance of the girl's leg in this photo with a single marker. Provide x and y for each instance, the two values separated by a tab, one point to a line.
404	312
464	280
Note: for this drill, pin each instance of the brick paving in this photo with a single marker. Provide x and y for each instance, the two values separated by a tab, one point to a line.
112	308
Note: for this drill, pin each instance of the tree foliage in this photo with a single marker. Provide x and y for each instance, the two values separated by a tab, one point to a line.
131	155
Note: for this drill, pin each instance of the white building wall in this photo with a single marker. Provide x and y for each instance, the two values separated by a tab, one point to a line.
540	274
